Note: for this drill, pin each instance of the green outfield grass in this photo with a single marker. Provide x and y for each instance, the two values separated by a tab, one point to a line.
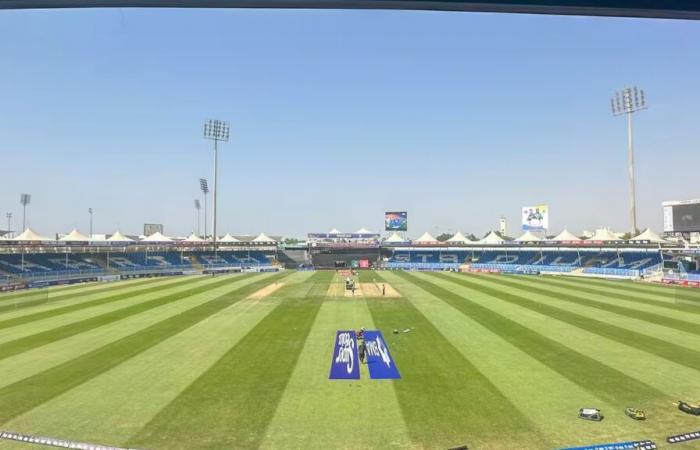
491	361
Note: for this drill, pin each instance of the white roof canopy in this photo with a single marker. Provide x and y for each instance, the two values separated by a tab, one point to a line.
395	238
157	237
30	235
426	238
528	236
75	236
334	231
650	236
262	237
363	231
459	237
566	235
118	237
491	238
193	238
229	238
603	234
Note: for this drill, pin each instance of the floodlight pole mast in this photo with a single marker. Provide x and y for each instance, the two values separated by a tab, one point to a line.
9	222
629	101
90	210
216	130
197	215
630	170
204	186
24	199
216	184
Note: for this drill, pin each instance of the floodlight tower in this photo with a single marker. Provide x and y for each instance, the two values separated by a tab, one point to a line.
90	210
204	186
24	200
216	130
629	101
9	222
197	208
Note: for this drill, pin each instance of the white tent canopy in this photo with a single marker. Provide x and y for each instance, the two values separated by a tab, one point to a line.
157	237
229	238
603	234
649	235
459	238
30	235
262	237
395	237
566	235
334	231
425	239
528	236
75	236
491	238
119	237
193	238
363	231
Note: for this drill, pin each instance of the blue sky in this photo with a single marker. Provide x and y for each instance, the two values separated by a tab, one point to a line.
337	116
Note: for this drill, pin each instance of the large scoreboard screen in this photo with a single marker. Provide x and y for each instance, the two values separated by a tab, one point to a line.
151	228
682	216
395	221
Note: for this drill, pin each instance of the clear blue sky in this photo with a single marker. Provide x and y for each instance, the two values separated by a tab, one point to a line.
337	116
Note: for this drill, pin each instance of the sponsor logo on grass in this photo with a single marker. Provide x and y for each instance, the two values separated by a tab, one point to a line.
379	361
52	442
344	365
683	437
631	445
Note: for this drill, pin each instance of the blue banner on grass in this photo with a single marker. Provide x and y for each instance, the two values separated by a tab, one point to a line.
345	363
379	361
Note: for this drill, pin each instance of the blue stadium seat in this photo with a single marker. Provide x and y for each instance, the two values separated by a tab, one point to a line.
516	260
234	259
48	265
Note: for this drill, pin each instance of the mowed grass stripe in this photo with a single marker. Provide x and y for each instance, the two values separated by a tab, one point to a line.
521	378
24	293
112	407
20	397
666	376
533	286
431	366
589	284
610	297
602	380
666	301
51	298
232	403
42	358
348	406
40	326
627	285
59	289
627	322
26	343
121	295
56	290
676	353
